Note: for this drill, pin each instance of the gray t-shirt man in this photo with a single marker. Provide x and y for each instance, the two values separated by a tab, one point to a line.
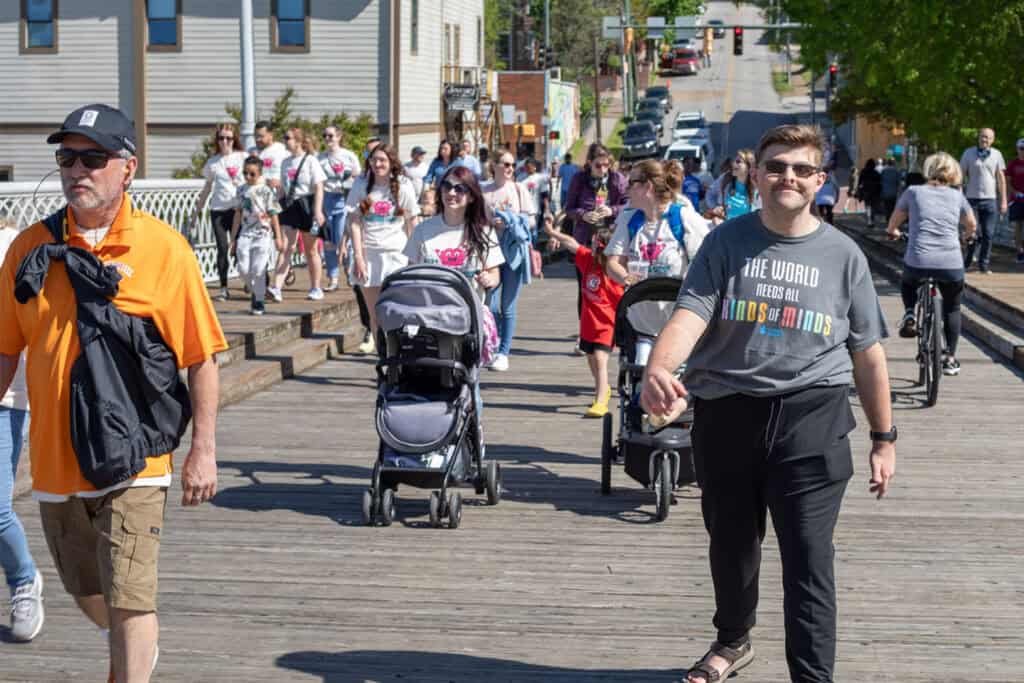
783	313
933	238
980	169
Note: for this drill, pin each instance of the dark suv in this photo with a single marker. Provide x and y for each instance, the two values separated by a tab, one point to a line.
662	93
639	140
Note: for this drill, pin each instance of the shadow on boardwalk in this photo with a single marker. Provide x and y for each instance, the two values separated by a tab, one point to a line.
399	665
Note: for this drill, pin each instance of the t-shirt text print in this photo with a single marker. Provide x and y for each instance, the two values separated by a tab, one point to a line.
775	305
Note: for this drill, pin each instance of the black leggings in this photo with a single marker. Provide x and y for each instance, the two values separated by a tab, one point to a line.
951	289
222	235
579	293
364	311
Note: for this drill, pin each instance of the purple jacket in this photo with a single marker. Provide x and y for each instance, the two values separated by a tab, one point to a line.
582	198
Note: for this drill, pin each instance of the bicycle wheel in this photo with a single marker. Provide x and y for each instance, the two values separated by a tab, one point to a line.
921	318
934	358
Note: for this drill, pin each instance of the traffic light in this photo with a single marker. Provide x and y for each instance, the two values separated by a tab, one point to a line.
542	56
737	40
832	70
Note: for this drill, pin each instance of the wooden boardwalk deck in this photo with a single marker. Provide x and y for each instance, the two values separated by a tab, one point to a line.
277	580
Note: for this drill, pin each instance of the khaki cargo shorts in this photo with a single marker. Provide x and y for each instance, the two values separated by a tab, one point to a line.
108	545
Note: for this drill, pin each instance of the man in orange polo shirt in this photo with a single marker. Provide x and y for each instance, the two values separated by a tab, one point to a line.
105	544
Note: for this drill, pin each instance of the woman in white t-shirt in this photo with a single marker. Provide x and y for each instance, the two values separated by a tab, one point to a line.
302	201
651	247
383	212
505	194
460	235
223	173
340	165
15	557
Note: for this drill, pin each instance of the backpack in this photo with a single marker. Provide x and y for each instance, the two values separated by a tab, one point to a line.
675	224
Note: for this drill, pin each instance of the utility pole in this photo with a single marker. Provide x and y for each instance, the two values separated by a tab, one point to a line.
814	97
248	81
547	26
597	87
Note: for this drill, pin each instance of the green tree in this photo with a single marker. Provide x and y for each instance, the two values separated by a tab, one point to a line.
281	117
939	68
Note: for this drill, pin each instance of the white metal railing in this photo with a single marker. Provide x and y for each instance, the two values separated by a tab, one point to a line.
171	201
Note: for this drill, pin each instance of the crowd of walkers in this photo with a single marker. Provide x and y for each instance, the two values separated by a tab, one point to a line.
769	393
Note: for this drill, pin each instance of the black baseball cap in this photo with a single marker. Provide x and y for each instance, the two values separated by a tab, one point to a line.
418	150
106	126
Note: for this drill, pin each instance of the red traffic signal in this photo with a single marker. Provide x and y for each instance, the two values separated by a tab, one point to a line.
738	30
737	40
832	69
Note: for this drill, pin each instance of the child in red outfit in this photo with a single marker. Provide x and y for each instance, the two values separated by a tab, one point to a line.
601	297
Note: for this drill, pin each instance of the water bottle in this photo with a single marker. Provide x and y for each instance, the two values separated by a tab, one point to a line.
314	229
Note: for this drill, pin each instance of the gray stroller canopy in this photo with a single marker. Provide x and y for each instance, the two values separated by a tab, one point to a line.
429	296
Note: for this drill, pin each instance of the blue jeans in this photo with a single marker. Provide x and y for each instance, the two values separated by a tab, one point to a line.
14	553
335	212
986	212
503	306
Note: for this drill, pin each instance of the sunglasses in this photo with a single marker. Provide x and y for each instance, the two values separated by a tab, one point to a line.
457	188
328	136
508	164
93	159
228	138
778	168
636	181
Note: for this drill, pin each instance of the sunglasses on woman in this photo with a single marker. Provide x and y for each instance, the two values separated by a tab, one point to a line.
778	168
92	159
225	138
457	188
508	164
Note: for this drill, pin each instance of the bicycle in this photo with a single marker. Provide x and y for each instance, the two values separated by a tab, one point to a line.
928	318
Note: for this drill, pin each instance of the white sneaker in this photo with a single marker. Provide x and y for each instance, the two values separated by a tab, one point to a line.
27	610
315	294
332	285
500	363
367	347
275	294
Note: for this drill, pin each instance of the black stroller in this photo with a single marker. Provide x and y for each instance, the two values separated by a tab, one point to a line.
659	459
429	339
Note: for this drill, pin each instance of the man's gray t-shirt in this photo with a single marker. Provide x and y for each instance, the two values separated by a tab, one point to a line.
783	313
980	170
933	240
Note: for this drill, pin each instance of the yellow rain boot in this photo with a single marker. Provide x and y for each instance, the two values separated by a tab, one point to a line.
599	408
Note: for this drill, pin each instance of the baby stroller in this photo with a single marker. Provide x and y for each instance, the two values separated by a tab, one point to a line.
429	339
658	459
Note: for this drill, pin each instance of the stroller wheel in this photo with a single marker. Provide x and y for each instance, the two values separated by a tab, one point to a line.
387	507
606	455
454	510
663	488
368	507
289	279
435	509
493	482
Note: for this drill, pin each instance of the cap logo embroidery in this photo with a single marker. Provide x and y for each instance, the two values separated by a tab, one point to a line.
88	118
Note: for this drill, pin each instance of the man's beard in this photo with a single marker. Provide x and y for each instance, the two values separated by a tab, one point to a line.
92	199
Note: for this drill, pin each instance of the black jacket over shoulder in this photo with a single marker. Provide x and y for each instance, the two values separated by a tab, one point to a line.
127	400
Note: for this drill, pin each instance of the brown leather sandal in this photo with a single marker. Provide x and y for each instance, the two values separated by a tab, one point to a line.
737	658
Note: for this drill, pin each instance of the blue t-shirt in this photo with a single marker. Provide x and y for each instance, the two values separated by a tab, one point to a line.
565	174
737	203
691	188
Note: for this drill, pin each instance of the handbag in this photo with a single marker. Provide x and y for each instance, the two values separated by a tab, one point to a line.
303	204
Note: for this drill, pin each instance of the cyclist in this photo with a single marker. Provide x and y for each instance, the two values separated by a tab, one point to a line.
935	211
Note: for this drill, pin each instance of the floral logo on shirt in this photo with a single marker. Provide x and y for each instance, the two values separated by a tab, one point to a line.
268	162
292	172
453	258
531	186
338	168
232	171
651	251
383	208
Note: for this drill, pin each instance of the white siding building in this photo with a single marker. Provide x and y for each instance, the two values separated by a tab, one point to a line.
173	65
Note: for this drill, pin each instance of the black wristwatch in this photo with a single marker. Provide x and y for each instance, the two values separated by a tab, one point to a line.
889	436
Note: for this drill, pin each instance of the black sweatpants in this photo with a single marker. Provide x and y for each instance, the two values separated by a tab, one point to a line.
222	221
787	455
364	311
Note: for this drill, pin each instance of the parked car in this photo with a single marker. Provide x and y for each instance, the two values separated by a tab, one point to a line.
640	139
655	116
718	26
697	148
690	124
684	44
662	93
652	103
685	61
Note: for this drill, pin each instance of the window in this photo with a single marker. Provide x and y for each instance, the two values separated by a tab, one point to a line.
39	26
414	27
447	54
163	20
6	174
457	49
289	25
479	41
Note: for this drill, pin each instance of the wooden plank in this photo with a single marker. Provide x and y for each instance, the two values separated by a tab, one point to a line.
277	580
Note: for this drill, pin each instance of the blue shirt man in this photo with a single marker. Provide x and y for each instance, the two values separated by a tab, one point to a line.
565	174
